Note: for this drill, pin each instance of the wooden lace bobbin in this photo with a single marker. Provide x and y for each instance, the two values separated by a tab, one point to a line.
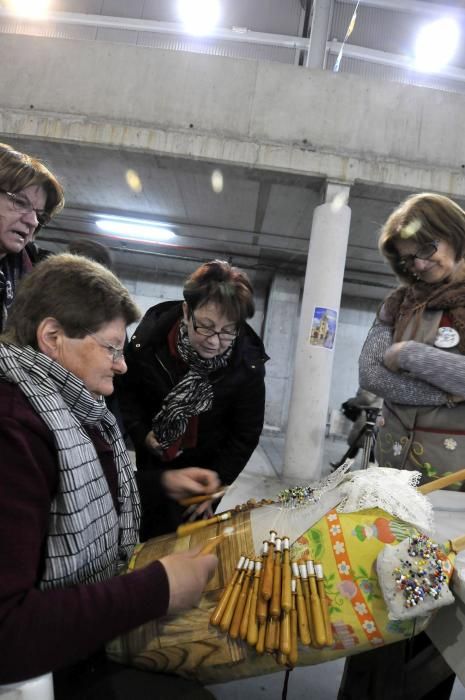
218	612
318	629
270	635
189	528
275	606
293	654
320	582
285	633
286	594
306	594
245	617
194	500
262	604
241	601
252	628
267	585
302	618
442	482
260	648
213	543
233	598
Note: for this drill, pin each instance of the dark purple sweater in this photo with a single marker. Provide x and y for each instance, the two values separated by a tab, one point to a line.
41	631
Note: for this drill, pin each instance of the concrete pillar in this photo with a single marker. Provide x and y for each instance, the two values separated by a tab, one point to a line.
280	338
321	15
315	342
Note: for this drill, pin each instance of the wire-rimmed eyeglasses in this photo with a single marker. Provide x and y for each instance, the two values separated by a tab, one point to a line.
22	204
424	253
117	354
224	334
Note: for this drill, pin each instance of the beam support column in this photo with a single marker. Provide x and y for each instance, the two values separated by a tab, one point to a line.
315	341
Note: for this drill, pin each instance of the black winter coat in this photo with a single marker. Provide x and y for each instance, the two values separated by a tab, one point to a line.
228	433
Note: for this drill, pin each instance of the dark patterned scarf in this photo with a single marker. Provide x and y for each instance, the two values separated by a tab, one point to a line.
12	268
192	395
407	303
87	539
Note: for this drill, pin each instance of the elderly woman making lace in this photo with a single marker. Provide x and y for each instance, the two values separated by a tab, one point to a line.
69	506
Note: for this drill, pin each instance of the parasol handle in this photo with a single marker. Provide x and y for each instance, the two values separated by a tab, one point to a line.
442	482
458	544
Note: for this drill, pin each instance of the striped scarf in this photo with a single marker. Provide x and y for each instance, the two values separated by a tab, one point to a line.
192	395
87	539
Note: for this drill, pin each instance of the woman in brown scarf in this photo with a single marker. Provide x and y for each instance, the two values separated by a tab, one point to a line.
414	358
414	354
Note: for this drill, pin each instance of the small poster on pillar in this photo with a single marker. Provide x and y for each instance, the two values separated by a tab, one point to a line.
323	331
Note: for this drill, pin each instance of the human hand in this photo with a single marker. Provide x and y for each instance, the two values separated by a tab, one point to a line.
391	356
152	443
198	511
188	574
182	483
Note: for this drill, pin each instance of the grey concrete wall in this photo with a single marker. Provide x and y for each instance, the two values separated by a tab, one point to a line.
266	115
356	317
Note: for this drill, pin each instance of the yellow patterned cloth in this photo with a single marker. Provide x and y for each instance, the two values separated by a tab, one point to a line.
347	545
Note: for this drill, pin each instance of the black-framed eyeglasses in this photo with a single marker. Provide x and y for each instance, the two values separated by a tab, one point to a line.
22	204
117	354
224	334
424	253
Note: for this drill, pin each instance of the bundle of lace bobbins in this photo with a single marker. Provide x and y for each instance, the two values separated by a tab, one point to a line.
189	528
272	603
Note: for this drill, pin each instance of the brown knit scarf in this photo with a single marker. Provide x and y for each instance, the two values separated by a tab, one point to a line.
407	303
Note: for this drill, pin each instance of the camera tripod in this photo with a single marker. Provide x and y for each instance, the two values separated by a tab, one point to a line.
368	433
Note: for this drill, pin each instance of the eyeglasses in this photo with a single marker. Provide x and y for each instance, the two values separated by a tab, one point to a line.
22	204
117	354
424	253
223	335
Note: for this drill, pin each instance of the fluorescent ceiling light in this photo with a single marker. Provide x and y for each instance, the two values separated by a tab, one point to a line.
199	16
436	44
34	9
135	229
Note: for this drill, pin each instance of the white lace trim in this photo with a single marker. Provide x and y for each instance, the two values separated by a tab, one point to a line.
392	490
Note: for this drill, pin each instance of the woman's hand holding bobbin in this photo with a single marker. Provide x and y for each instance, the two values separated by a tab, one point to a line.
181	483
188	574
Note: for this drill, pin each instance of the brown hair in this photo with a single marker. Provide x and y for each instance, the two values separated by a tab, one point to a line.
94	250
80	294
423	218
218	282
18	170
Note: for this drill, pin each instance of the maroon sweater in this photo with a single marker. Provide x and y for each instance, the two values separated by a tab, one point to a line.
41	631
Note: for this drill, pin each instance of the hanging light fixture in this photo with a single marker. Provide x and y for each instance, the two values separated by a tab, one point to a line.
199	16
32	9
135	229
436	44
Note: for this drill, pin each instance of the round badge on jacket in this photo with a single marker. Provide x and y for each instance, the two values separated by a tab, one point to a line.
446	337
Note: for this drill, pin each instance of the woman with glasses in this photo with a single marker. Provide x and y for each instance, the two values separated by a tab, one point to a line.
414	358
29	196
414	354
194	393
69	505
